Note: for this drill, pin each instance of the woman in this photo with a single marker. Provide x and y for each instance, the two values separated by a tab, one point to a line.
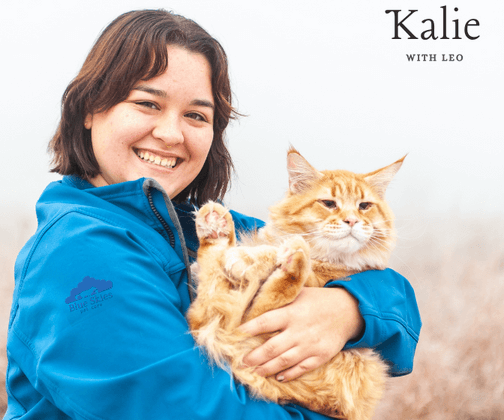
97	328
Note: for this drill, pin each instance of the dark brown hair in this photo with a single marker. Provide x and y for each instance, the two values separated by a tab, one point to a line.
133	48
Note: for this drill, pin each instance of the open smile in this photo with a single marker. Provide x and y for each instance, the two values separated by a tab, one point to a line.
149	157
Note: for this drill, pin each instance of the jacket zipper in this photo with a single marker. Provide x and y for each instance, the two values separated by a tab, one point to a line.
162	221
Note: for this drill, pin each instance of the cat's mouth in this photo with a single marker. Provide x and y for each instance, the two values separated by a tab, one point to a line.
344	238
338	232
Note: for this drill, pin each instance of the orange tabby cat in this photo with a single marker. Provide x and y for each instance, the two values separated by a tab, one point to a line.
331	224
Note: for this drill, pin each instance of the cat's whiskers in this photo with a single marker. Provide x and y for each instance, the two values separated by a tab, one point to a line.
379	245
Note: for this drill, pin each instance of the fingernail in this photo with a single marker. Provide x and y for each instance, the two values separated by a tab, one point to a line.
280	378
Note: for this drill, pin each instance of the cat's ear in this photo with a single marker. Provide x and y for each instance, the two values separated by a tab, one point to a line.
301	174
380	179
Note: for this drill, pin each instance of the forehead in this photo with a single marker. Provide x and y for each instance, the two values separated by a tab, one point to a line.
187	74
344	184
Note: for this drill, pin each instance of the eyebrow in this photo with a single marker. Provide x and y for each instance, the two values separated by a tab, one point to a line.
163	94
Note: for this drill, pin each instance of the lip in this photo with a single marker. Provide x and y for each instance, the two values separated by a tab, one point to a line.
162	156
161	153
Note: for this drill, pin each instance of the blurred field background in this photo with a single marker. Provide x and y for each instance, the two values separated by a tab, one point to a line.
457	269
15	229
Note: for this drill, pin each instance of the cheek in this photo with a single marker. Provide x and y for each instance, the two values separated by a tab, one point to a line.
374	217
314	217
200	149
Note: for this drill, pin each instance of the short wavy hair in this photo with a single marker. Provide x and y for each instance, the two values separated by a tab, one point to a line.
133	48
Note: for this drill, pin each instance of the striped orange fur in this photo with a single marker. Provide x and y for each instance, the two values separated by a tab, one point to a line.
331	224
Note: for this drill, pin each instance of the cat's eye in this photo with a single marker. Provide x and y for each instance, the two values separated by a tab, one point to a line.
365	205
330	204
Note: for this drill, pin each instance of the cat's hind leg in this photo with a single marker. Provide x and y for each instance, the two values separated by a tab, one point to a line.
286	281
251	264
215	231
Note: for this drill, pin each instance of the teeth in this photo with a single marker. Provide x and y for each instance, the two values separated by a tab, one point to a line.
156	160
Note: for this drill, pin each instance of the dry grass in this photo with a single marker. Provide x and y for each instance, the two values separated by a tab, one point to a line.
457	269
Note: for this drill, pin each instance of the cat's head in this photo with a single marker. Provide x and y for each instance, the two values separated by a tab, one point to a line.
342	215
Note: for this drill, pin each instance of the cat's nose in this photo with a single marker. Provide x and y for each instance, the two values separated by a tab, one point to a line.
351	221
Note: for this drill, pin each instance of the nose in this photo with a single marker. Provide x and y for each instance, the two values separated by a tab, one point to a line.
351	221
168	129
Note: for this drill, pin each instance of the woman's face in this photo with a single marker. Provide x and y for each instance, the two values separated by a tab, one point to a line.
163	130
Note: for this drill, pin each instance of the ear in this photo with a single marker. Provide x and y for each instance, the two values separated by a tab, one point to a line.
380	179
88	121
301	174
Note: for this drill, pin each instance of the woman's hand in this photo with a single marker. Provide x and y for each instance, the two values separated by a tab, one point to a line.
312	329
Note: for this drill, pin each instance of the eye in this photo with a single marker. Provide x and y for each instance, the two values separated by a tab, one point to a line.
365	205
147	104
196	116
330	204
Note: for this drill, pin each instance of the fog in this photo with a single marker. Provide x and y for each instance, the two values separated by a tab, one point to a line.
323	76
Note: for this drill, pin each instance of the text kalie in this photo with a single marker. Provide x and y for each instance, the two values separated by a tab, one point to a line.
445	27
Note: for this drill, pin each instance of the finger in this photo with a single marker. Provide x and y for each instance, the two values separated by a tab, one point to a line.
266	323
269	350
301	368
284	361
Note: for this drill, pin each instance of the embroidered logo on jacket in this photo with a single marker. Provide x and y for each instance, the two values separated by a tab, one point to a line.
89	294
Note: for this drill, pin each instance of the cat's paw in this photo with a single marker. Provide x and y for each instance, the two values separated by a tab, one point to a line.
237	263
250	264
214	223
293	257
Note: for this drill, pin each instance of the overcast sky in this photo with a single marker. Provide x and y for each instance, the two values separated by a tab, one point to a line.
324	76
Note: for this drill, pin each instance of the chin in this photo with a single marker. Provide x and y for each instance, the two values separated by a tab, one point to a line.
337	251
348	245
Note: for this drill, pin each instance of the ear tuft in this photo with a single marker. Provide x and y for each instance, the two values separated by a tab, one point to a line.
301	174
379	180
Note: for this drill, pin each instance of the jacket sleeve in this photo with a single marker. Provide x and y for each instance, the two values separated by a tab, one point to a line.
120	348
392	321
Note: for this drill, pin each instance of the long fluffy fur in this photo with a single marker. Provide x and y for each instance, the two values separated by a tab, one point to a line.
304	244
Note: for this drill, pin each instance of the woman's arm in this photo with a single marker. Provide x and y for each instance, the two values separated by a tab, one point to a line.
388	305
120	348
313	329
374	309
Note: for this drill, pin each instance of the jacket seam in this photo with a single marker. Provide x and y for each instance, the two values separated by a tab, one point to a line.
114	223
164	263
386	316
82	412
28	261
9	390
394	318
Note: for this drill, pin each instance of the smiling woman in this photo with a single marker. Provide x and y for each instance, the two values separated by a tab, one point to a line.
162	130
140	146
132	67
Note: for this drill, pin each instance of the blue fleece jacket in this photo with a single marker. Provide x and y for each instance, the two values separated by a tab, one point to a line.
97	327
